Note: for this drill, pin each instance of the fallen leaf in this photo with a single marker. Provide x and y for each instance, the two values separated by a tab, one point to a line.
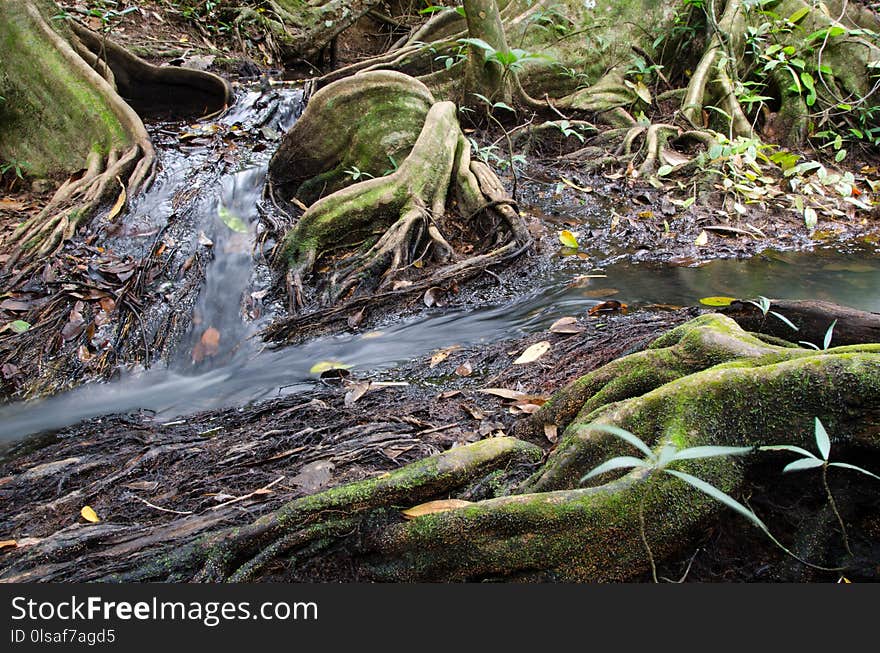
702	240
108	304
314	476
15	305
204	241
18	326
400	284
571	184
717	301
533	353
231	220
527	409
211	341
83	354
433	507
464	369
355	318
568	239
504	393
611	306
441	355
8	543
326	366
75	324
551	432
357	391
146	486
119	204
473	411
434	296
566	325
89	514
449	394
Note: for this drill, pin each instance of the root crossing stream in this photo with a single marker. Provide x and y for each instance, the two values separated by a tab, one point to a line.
235	369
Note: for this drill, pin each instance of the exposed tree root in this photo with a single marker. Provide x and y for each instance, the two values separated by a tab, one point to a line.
401	216
101	81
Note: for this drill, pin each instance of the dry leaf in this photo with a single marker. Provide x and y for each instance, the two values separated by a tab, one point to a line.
473	411
448	394
8	543
528	409
566	325
551	432
611	306
357	391
434	296
504	393
432	507
533	353
702	240
89	514
464	369
119	204
442	355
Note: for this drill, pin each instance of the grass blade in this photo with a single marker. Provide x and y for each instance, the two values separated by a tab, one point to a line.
693	453
620	462
784	319
853	467
787	447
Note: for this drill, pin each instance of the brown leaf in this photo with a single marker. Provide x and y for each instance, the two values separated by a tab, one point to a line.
15	305
119	204
473	411
146	486
551	432
210	340
449	394
611	306
8	543
442	355
566	325
434	296
8	370
357	391
356	318
433	507
601	292
75	324
533	353
83	354
464	369
526	408
504	393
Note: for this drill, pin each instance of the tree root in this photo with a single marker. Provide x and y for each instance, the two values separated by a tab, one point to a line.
704	383
403	215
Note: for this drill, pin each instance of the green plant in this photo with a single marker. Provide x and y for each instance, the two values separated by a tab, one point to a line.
670	455
763	305
356	174
660	463
826	342
810	461
17	166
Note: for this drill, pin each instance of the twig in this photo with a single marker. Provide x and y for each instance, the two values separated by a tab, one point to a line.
155	507
261	490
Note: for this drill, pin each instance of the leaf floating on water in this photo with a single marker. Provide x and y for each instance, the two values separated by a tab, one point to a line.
231	220
119	204
433	507
533	353
208	345
611	306
89	514
702	240
18	326
326	366
568	239
566	325
717	301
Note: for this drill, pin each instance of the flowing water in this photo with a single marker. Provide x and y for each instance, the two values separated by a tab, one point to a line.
239	371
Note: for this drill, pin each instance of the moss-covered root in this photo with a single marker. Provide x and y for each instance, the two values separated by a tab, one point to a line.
243	552
593	534
402	215
694	346
63	113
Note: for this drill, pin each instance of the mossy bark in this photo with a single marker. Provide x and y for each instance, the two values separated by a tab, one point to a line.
62	113
352	133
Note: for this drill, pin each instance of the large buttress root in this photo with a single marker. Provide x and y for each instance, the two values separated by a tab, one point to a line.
400	220
64	114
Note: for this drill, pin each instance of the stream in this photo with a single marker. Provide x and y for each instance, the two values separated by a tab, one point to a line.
240	370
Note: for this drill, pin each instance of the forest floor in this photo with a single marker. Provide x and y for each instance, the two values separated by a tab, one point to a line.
146	477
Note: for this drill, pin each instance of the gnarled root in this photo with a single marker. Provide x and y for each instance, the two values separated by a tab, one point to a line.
403	217
704	383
